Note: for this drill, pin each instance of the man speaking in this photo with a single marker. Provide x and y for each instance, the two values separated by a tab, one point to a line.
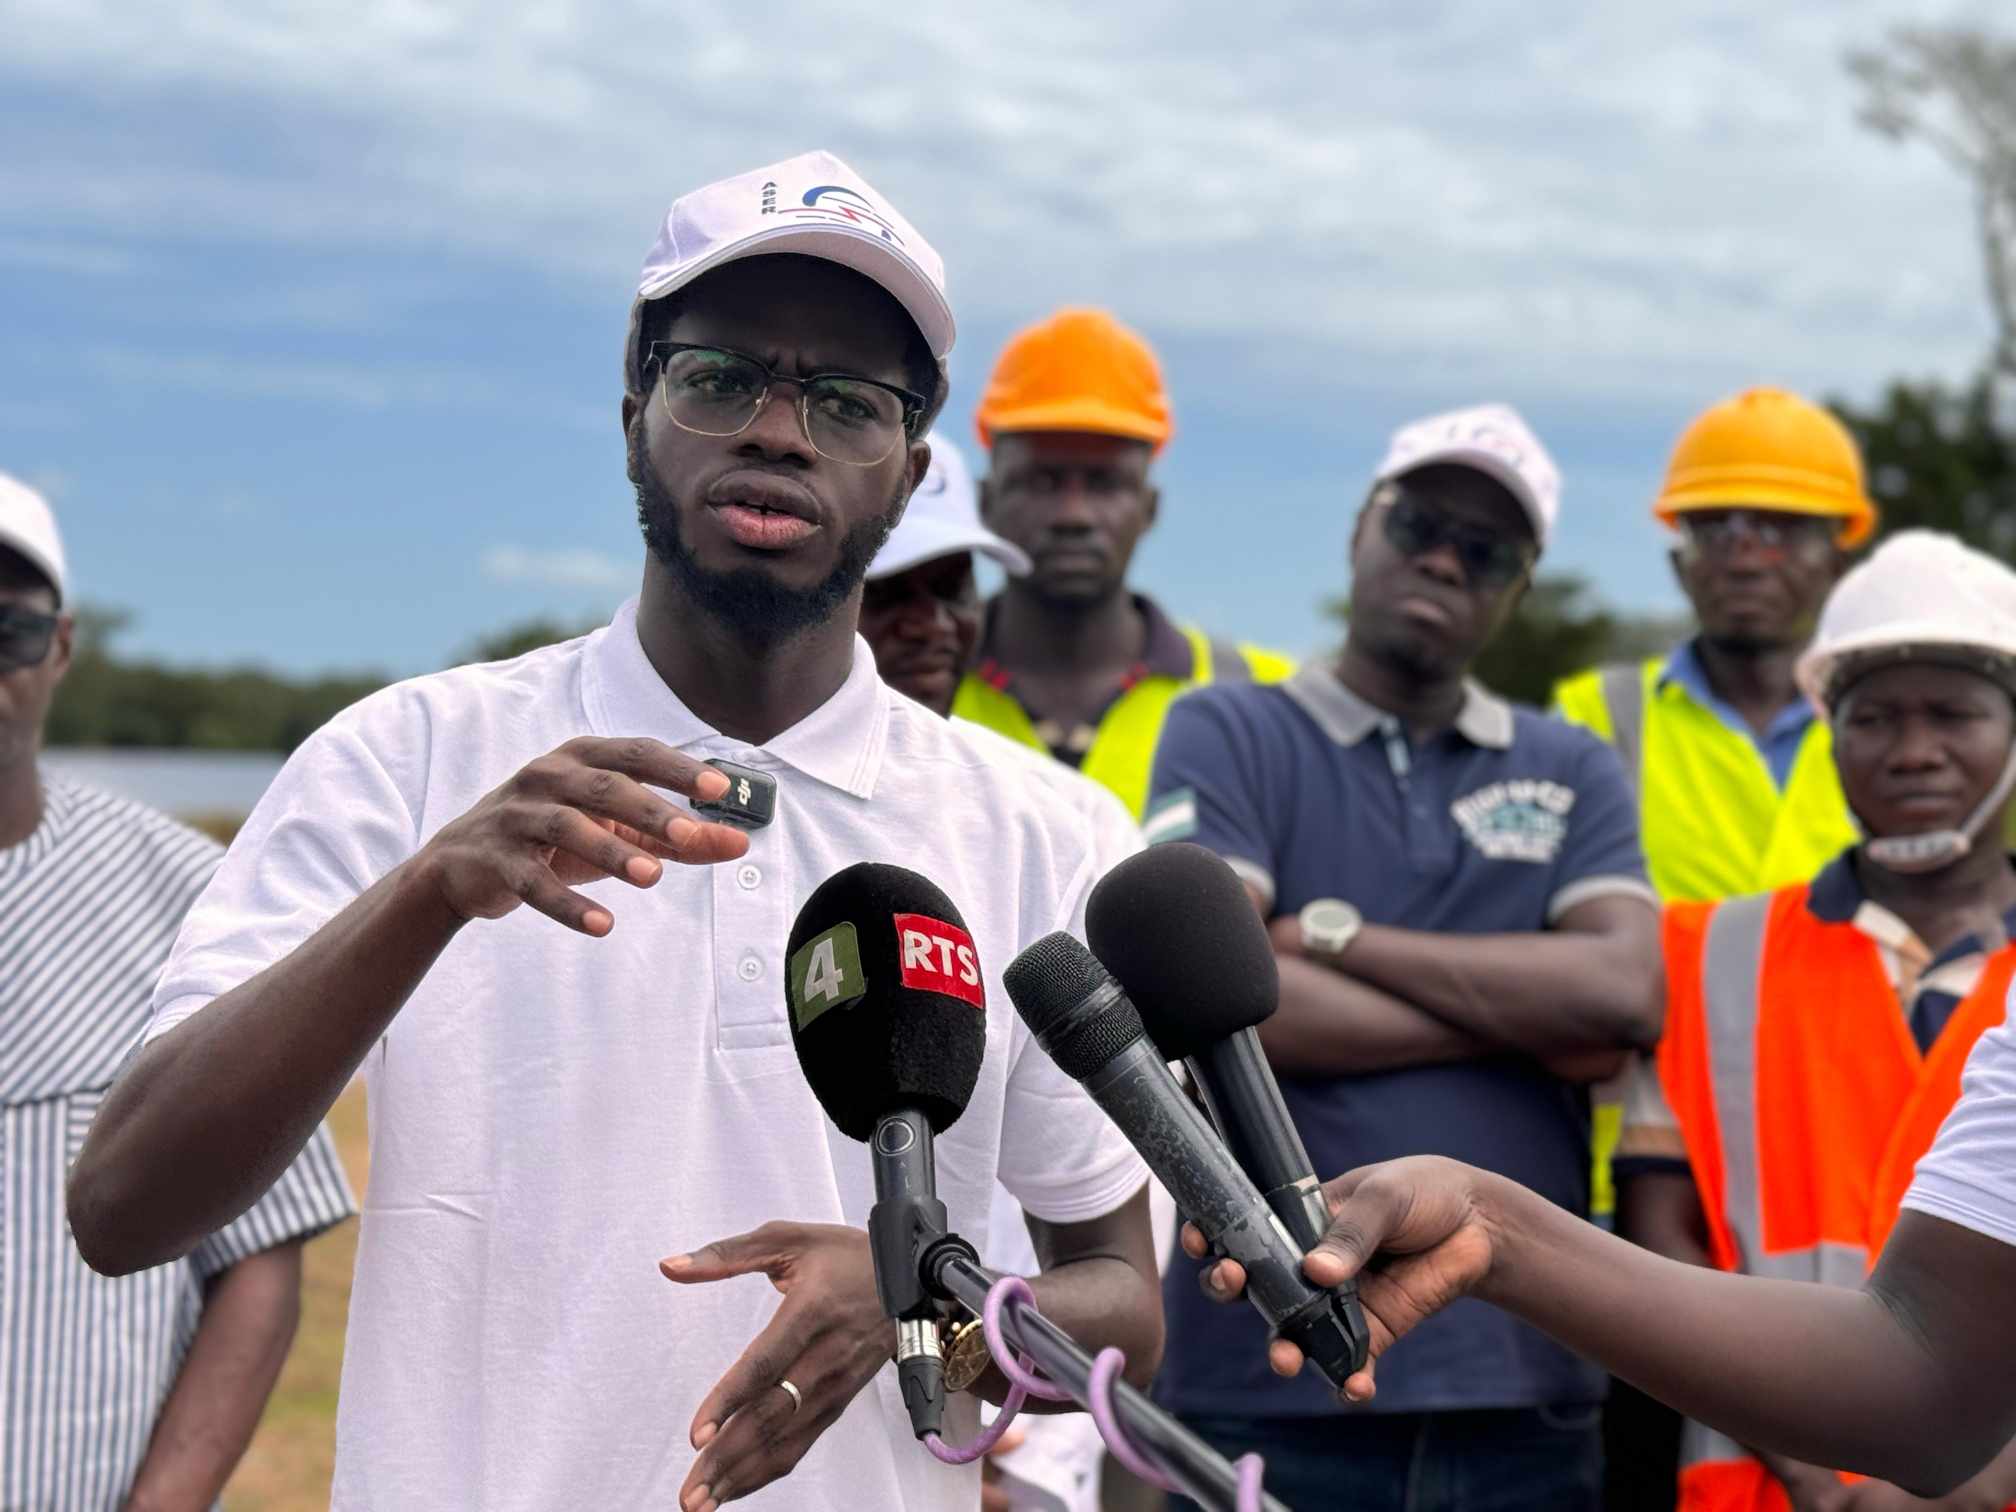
567	992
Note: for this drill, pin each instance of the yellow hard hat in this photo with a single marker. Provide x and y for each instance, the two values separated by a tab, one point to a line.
1769	449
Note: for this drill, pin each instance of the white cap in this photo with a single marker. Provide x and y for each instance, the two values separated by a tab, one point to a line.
1919	594
27	527
1492	439
812	204
943	518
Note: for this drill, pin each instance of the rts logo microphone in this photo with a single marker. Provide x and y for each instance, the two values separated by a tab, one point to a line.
939	957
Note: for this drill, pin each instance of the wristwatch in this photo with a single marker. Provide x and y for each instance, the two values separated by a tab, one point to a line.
1328	925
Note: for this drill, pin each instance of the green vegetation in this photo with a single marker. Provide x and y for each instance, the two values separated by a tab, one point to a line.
112	700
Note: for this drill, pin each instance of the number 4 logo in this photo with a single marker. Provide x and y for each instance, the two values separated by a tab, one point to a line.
825	972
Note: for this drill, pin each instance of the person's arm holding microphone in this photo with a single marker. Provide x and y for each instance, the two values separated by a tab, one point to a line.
1911	1377
213	1110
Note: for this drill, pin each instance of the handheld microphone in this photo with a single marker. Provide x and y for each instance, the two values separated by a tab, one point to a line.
1080	1015
888	1016
1175	926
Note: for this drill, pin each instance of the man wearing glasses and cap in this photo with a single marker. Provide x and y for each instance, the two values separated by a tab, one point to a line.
144	1391
1466	940
565	1090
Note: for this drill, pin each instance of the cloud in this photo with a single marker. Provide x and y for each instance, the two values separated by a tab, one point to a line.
1619	204
360	386
562	567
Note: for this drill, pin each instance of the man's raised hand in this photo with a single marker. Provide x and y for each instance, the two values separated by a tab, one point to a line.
578	814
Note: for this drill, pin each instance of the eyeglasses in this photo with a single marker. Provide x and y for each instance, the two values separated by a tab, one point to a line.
1718	532
25	636
713	392
1489	560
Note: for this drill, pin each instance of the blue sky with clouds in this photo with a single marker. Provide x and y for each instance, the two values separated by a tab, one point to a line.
312	309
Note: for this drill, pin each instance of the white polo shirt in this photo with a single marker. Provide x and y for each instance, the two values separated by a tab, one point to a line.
1969	1175
550	1114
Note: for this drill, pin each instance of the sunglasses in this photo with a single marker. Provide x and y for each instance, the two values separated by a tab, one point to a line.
25	636
1489	560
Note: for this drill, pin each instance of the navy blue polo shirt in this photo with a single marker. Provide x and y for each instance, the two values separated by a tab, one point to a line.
1497	825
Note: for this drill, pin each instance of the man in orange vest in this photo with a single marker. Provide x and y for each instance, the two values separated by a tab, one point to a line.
1814	1035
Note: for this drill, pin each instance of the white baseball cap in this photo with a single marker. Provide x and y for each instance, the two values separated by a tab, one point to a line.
1492	439
27	527
943	518
812	204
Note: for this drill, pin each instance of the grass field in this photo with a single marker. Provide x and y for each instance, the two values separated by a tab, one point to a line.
288	1466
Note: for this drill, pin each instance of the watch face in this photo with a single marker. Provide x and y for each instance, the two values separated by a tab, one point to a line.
1329	923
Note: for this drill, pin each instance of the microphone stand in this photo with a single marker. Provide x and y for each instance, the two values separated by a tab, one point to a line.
1202	1473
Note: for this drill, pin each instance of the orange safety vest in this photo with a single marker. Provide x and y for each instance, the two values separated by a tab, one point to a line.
1804	1103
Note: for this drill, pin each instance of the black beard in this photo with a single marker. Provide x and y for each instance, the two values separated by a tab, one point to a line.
747	601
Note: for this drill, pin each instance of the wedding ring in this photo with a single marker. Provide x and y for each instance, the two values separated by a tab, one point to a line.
791	1391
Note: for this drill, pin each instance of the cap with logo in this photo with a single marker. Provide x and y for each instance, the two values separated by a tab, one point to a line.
1492	439
1769	449
28	529
1080	370
813	205
944	517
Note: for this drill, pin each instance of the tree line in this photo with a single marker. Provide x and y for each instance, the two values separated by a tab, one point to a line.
110	699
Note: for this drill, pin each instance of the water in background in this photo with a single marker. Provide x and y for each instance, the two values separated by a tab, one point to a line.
182	783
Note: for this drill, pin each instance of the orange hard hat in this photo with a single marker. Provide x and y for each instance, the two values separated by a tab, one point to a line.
1080	370
1767	448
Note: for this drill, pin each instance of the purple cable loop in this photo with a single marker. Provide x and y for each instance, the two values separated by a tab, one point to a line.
1024	1383
1099	1397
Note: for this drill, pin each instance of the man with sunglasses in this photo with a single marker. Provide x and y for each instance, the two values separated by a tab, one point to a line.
563	1091
1466	939
141	1392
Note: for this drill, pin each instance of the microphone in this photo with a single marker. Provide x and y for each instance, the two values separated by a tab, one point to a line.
1175	925
888	1017
1083	1019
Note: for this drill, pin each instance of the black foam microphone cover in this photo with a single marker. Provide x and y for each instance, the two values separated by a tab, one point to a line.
1175	926
885	998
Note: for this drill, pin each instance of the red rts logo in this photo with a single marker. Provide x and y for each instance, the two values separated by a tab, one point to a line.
939	957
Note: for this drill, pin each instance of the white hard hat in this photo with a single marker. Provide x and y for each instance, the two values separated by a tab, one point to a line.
943	518
1921	596
29	529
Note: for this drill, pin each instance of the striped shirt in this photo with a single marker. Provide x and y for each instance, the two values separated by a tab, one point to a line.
89	905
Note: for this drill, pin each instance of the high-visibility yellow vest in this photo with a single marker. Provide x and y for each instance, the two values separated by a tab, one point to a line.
1713	822
1123	749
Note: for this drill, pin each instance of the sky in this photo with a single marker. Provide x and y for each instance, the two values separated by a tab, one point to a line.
312	310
